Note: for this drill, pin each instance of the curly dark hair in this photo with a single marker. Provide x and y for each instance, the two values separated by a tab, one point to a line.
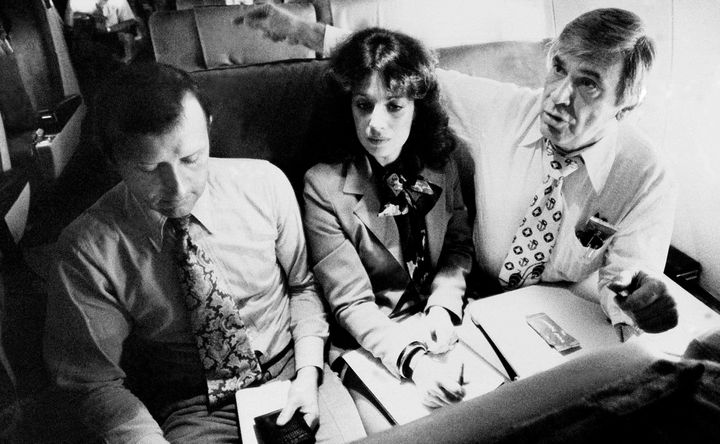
407	68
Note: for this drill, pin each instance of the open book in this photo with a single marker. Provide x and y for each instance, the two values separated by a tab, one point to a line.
400	400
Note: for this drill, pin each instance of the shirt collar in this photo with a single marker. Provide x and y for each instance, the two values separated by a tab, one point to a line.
598	158
152	223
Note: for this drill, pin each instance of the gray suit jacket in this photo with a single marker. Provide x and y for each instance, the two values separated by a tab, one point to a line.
357	256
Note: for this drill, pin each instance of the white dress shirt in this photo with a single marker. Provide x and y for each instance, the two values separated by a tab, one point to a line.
114	11
622	178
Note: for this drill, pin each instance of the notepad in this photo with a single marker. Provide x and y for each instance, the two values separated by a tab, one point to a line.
503	319
400	399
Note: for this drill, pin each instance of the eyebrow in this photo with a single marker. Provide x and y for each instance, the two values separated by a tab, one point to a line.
584	71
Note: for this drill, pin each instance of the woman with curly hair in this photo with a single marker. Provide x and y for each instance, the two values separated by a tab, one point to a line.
387	228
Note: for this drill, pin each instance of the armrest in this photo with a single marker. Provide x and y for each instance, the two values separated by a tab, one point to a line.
53	120
54	153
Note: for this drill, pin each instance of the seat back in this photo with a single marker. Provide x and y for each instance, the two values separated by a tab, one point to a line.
214	36
267	111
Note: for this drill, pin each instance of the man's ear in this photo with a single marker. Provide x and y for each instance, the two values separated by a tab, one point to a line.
621	114
632	103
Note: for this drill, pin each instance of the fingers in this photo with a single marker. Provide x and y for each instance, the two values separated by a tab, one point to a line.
649	304
659	316
286	414
442	331
443	393
622	282
442	340
646	291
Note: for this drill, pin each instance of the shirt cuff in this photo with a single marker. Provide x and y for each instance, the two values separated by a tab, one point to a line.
309	351
611	309
333	36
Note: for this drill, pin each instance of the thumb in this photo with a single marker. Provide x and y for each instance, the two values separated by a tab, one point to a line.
286	414
622	282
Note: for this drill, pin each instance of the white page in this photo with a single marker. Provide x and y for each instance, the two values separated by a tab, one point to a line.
503	317
400	398
255	401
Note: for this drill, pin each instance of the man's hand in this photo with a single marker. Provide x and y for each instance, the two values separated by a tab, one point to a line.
437	381
303	395
277	24
442	330
647	302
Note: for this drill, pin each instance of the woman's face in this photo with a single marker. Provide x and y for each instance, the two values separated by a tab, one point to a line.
382	121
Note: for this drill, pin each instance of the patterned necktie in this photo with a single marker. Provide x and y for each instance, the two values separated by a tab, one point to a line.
222	340
535	238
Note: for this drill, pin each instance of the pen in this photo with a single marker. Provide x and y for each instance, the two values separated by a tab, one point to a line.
461	378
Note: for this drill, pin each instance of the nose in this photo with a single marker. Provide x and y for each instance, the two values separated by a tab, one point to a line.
173	180
378	120
563	92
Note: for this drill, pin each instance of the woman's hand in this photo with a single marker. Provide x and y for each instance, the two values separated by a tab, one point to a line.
437	381
303	395
442	330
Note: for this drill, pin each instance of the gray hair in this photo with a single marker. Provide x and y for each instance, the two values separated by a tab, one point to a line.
608	35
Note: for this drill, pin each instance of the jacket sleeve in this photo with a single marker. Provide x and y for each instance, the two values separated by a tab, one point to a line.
448	286
343	278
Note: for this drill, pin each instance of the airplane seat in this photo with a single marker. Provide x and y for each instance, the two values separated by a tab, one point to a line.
30	410
209	37
622	393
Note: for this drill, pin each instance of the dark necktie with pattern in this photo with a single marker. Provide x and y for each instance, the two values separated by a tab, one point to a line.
535	238
222	340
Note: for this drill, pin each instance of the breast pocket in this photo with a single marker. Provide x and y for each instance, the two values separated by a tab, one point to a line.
573	261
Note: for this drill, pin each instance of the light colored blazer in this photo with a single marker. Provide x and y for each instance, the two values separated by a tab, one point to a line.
357	256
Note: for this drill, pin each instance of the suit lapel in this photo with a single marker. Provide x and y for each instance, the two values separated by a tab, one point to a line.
436	219
359	182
